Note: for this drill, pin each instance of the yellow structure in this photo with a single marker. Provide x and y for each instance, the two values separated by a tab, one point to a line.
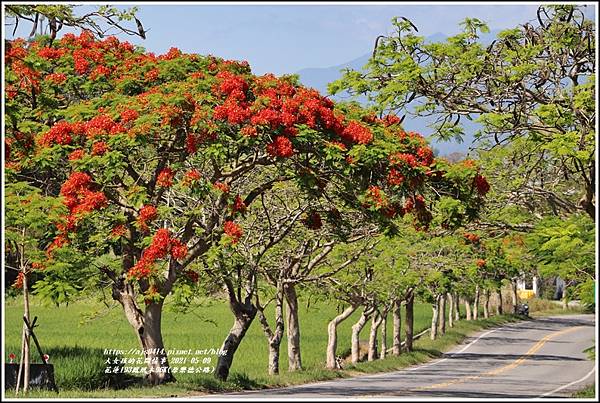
525	294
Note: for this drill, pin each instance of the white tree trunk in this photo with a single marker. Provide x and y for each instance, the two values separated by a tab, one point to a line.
476	304
332	336
486	304
396	337
293	328
274	338
456	307
434	318
468	309
356	328
375	323
383	351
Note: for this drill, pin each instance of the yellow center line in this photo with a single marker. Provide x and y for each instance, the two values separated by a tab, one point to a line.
500	370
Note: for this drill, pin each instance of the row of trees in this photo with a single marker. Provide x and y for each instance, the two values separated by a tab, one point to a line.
160	161
187	174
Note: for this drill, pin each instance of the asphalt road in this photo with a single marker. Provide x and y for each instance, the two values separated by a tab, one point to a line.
539	358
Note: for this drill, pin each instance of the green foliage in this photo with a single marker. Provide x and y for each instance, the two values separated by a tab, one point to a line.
531	91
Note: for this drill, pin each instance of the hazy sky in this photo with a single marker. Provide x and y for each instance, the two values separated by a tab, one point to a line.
284	38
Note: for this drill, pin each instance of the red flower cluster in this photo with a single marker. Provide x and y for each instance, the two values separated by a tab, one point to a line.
58	242
152	75
56	78
425	155
99	125
79	198
99	148
60	133
238	205
233	111
51	53
233	230
403	159
162	245
99	71
191	177
232	85
19	283
118	231
129	115
249	131
395	178
76	155
390	120
357	133
376	197
223	187
473	238
165	178
481	263
173	53
81	64
481	184
280	147
147	213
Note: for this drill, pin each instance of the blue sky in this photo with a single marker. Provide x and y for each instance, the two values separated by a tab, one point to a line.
287	38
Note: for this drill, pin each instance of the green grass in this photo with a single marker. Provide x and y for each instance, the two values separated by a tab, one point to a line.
586	393
76	344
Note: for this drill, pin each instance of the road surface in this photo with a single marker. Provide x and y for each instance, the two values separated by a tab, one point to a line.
538	358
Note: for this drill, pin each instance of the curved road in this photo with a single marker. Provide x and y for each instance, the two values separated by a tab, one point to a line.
539	358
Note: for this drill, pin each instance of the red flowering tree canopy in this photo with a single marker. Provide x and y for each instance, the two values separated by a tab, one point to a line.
168	150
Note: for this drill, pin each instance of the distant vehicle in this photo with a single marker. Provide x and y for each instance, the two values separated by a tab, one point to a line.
523	309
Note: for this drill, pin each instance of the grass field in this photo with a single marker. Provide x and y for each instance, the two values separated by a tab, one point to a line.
76	343
76	335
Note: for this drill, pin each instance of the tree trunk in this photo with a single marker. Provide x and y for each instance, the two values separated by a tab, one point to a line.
515	295
244	314
434	317
486	304
147	326
356	328
293	328
499	308
274	338
476	304
375	323
396	337
442	314
450	309
456	307
409	321
383	351
154	346
24	370
468	309
565	300
332	336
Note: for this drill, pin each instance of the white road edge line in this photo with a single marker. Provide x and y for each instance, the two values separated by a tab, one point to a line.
569	384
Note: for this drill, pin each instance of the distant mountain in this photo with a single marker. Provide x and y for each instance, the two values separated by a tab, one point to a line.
319	77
